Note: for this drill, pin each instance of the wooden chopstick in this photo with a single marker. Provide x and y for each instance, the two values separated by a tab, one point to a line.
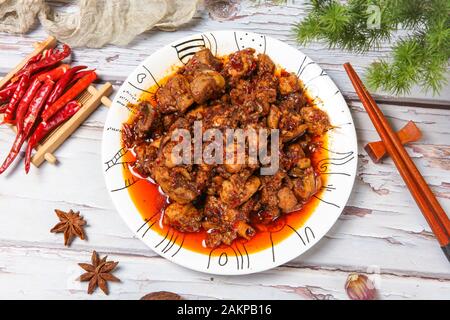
424	197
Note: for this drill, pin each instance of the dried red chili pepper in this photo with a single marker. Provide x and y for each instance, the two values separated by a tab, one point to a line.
25	103
33	111
30	61
51	60
79	75
22	86
44	128
8	84
61	85
17	76
54	74
20	138
69	95
7	93
36	106
47	53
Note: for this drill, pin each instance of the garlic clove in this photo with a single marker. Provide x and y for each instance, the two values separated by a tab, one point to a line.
360	287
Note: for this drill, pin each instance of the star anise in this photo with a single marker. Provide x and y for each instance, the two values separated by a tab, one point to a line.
98	273
71	223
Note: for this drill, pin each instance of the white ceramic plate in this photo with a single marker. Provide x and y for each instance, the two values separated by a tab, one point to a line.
339	166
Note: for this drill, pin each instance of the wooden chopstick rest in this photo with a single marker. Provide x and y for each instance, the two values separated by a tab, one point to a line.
409	133
90	100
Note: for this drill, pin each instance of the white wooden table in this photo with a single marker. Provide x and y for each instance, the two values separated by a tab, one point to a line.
380	230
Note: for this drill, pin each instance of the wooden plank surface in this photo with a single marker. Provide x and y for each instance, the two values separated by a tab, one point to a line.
115	63
381	228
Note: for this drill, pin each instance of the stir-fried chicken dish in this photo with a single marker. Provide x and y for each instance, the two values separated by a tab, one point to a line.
230	200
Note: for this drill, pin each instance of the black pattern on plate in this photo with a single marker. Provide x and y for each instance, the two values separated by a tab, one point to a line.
306	234
223	257
115	160
127	184
186	49
140	80
327	202
245	40
303	66
340	159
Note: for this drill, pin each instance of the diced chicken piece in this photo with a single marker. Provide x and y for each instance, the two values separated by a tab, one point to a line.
265	64
269	198
273	119
169	119
293	102
270	185
241	64
316	119
266	216
289	83
291	126
206	84
145	155
203	176
234	194
308	185
175	95
214	209
233	167
215	186
253	205
219	117
179	123
216	237
286	199
176	183
148	119
197	113
220	222
183	217
242	92
203	59
266	91
304	163
231	164
293	153
170	158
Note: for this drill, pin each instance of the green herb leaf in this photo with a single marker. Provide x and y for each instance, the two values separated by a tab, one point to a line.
421	59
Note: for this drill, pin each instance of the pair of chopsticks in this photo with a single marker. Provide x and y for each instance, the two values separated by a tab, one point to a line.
424	197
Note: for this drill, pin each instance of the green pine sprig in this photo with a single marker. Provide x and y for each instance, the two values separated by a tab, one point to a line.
421	58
